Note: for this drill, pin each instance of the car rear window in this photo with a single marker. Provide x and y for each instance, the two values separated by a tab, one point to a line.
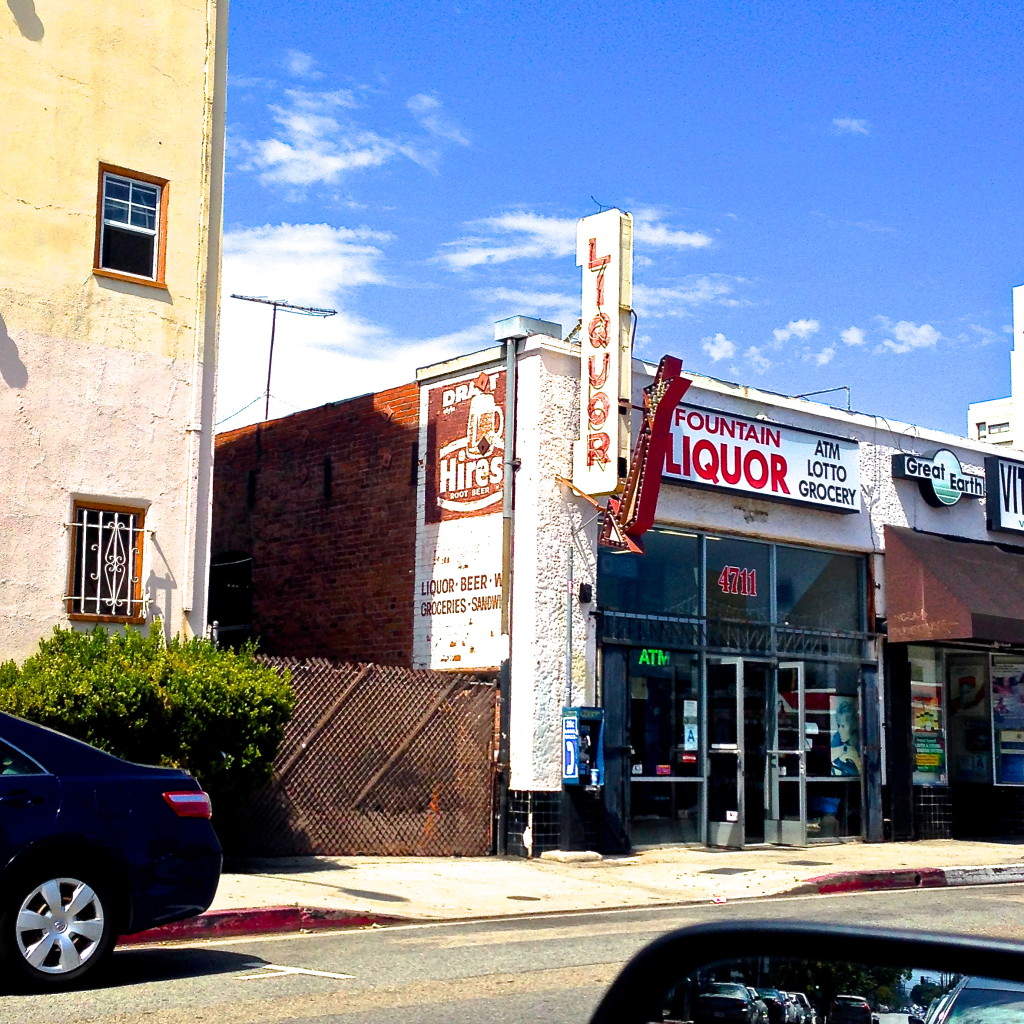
986	1006
726	988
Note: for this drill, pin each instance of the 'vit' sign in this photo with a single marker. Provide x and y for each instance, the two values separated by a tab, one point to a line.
940	476
1005	481
764	460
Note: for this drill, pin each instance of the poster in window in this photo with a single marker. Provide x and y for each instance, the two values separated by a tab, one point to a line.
928	734
1008	723
845	724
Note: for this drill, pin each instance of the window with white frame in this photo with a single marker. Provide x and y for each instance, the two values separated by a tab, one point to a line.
131	217
106	563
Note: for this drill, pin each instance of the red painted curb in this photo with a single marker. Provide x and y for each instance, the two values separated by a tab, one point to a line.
252	922
890	878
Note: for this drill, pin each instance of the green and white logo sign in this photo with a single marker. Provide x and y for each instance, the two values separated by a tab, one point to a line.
940	476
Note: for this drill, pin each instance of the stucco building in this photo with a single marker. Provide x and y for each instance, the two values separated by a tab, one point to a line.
110	217
821	639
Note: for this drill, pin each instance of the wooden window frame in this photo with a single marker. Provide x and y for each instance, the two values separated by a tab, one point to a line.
136	590
156	281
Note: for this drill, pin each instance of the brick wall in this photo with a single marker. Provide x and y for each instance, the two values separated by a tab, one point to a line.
324	501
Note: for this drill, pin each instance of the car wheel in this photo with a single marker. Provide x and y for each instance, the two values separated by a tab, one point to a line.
55	930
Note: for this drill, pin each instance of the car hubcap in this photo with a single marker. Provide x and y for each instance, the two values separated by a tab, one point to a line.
59	926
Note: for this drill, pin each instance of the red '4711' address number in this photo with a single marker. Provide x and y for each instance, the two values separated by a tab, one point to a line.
734	580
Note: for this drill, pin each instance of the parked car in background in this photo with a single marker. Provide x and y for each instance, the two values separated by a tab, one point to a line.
726	1002
808	1014
776	1003
92	847
979	1000
849	1010
794	1011
759	1002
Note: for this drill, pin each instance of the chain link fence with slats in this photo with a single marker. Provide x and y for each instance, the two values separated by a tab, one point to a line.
376	760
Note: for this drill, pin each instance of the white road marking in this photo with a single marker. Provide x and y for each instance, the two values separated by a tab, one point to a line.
279	971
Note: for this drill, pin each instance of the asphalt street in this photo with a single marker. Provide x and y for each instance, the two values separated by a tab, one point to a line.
549	969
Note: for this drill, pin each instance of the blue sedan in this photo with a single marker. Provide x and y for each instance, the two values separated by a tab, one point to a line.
92	847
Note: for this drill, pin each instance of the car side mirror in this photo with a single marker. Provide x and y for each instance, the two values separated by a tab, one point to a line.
849	975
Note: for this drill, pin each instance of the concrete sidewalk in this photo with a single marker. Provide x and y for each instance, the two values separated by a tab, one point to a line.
310	892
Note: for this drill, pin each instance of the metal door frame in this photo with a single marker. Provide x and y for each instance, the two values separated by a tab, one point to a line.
778	830
729	833
726	833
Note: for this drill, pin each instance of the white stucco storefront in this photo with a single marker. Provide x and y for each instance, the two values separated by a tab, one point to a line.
748	689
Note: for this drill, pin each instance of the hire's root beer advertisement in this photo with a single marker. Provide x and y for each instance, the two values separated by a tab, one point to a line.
457	599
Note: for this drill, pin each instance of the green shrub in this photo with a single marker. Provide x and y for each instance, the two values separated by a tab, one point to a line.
217	713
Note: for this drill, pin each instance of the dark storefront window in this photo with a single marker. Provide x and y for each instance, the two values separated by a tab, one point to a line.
813	589
665	746
834	745
738	584
819	589
663	581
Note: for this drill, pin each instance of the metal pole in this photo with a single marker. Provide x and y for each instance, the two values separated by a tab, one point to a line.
270	361
568	628
505	678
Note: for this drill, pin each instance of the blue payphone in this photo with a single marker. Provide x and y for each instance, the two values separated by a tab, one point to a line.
582	746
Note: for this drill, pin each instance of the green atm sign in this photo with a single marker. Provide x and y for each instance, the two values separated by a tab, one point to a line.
653	656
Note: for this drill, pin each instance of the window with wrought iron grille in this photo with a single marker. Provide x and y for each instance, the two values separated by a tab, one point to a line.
106	563
130	229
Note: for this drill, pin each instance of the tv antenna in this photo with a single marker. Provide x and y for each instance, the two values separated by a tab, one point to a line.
290	308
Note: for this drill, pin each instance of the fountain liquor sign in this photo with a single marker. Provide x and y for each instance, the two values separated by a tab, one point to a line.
764	460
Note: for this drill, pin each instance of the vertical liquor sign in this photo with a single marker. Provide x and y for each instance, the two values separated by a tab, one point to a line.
457	613
604	249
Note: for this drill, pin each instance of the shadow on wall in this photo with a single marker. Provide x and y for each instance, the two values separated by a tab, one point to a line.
12	369
24	12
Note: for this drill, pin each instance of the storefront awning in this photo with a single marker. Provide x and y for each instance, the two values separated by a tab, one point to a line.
937	588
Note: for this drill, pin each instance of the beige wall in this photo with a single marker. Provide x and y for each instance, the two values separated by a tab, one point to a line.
106	387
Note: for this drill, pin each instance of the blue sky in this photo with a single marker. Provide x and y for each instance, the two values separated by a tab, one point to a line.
825	194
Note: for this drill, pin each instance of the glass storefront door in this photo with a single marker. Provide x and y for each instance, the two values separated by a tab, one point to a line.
753	752
739	711
666	777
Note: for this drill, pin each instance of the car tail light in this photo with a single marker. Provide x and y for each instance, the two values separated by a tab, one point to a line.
189	804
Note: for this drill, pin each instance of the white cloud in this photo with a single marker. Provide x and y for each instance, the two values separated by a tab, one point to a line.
316	360
528	299
719	347
522	234
308	264
647	233
301	65
757	359
824	356
851	126
512	236
976	333
651	301
802	329
429	112
907	336
317	142
852	336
